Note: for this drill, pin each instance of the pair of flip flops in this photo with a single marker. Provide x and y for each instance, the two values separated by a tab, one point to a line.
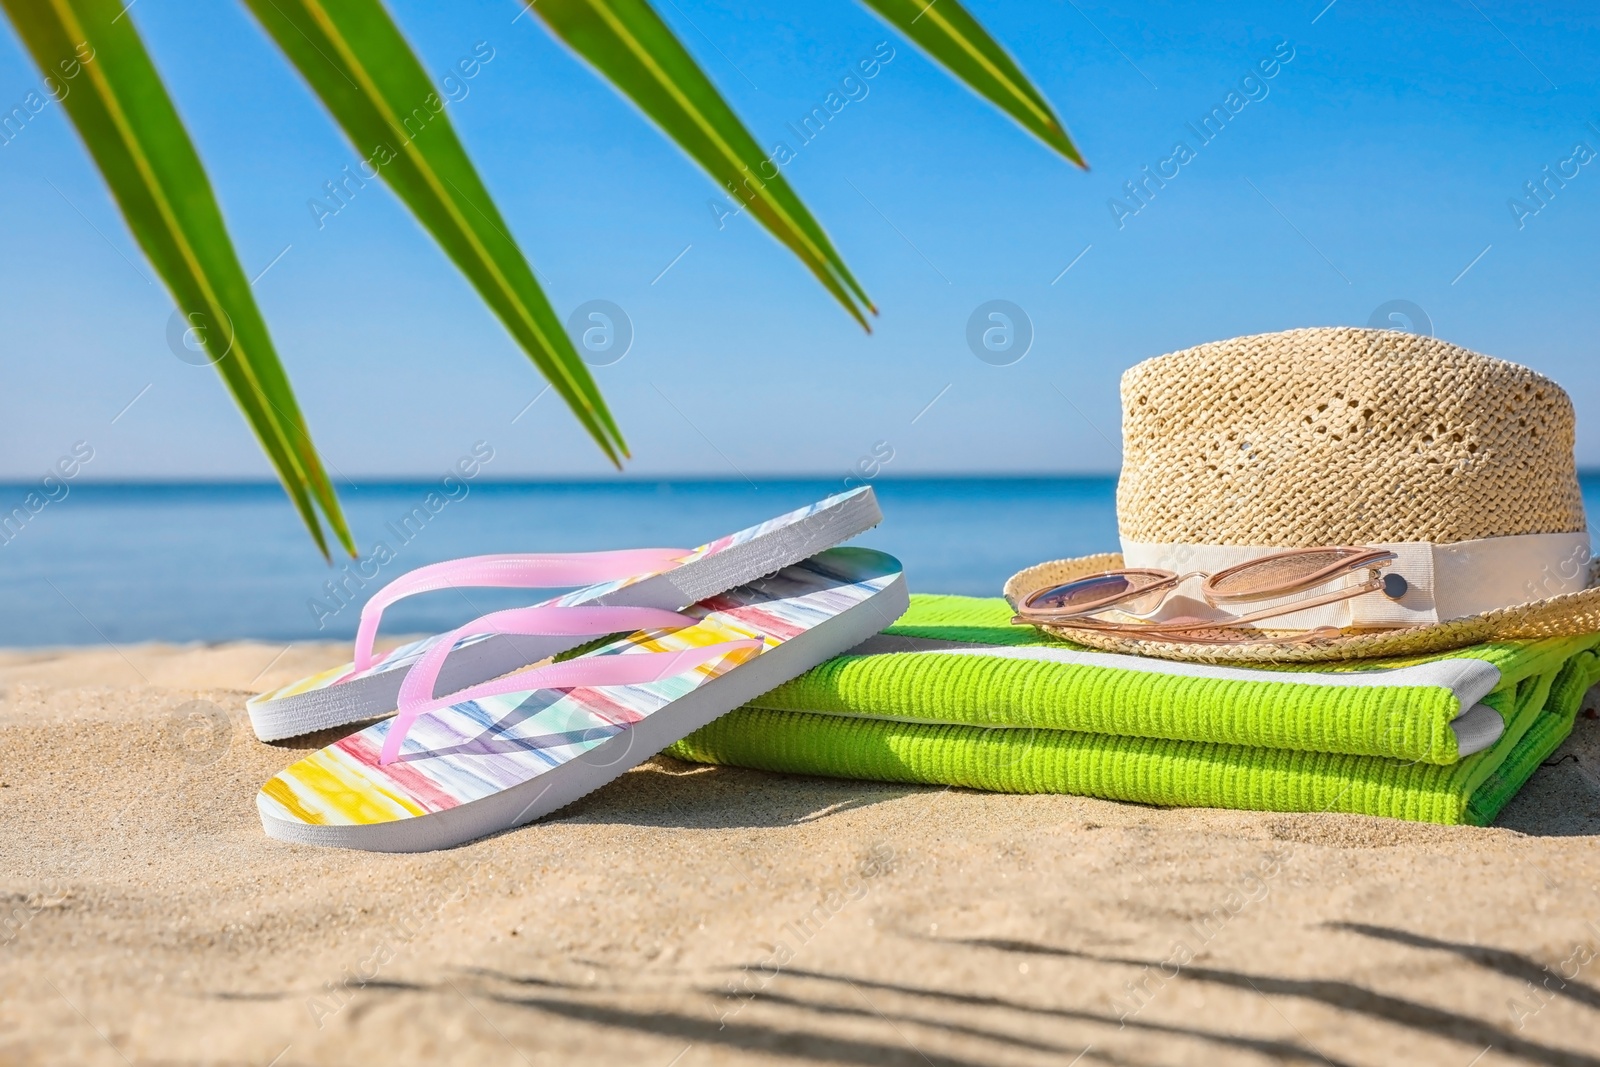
500	722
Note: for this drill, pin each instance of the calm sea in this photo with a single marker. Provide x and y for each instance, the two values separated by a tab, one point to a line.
126	563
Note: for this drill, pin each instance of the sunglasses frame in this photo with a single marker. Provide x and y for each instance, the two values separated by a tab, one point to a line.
1372	560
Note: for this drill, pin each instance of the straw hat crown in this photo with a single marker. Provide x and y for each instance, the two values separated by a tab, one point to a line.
1343	436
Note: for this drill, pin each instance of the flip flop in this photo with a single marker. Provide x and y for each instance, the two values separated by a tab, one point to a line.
507	752
662	578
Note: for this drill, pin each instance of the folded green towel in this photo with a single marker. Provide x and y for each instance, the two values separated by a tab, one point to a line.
959	661
953	694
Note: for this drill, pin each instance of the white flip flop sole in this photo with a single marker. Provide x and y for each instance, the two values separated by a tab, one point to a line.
488	765
316	703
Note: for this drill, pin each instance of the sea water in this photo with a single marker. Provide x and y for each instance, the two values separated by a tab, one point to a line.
126	563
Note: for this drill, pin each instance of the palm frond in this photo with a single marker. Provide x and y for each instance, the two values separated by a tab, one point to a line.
127	121
358	63
629	44
948	32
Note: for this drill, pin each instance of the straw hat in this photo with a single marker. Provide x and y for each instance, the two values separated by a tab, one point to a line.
1460	464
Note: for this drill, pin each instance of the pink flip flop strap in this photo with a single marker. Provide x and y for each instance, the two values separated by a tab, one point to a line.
416	691
545	620
551	570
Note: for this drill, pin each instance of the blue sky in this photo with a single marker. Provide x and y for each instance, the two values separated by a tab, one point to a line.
1375	165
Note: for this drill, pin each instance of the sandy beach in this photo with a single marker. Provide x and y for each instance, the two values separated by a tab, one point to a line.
687	916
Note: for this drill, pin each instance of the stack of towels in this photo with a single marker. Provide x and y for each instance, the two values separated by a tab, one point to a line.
955	694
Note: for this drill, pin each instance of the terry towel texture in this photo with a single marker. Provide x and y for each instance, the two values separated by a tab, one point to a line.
955	695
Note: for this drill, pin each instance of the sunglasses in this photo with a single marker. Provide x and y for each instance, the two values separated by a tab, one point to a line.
1281	574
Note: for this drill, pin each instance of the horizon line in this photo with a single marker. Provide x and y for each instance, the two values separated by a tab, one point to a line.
362	481
410	480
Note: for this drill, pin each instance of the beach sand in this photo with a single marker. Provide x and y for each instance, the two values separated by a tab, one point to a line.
687	916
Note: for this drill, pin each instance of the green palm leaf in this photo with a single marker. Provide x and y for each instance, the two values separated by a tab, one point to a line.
629	44
358	62
945	30
129	125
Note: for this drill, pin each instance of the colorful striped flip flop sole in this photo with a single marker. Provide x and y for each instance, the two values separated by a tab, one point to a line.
487	765
317	703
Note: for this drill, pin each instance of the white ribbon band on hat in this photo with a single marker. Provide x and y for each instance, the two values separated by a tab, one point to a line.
1446	581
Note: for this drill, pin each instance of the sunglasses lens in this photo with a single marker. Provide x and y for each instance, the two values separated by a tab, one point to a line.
1101	590
1143	605
1286	572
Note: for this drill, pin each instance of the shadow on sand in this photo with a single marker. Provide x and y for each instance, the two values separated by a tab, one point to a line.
1355	999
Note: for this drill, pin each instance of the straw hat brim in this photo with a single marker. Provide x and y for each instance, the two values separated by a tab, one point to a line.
1567	615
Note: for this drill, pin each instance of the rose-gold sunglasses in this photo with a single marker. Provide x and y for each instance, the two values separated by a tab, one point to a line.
1140	592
